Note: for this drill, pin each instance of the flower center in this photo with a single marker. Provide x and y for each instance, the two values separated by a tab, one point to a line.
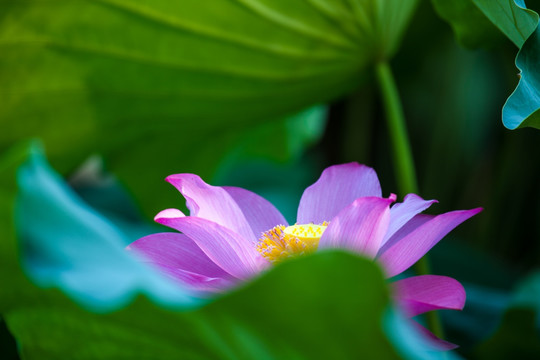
280	242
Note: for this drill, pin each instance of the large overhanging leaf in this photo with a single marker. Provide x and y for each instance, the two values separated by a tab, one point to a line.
329	305
165	84
469	18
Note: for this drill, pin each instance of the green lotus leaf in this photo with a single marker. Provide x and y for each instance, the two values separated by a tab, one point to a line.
174	85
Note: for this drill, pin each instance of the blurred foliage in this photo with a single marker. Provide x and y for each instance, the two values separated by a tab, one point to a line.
155	89
469	19
517	338
518	334
272	318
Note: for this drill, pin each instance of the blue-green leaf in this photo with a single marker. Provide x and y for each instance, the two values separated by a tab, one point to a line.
68	245
522	108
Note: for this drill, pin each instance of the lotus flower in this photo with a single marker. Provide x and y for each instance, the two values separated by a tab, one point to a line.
233	235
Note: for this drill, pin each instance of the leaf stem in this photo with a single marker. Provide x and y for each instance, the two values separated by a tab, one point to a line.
403	159
398	133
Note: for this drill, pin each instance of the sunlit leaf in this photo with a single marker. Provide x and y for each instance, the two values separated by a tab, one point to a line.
163	84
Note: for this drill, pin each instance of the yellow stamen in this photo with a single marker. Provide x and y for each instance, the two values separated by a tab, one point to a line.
280	242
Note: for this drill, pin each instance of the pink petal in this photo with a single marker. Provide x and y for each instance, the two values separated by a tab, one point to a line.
338	186
417	237
171	213
359	227
435	343
230	251
259	212
401	213
177	251
419	294
212	203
